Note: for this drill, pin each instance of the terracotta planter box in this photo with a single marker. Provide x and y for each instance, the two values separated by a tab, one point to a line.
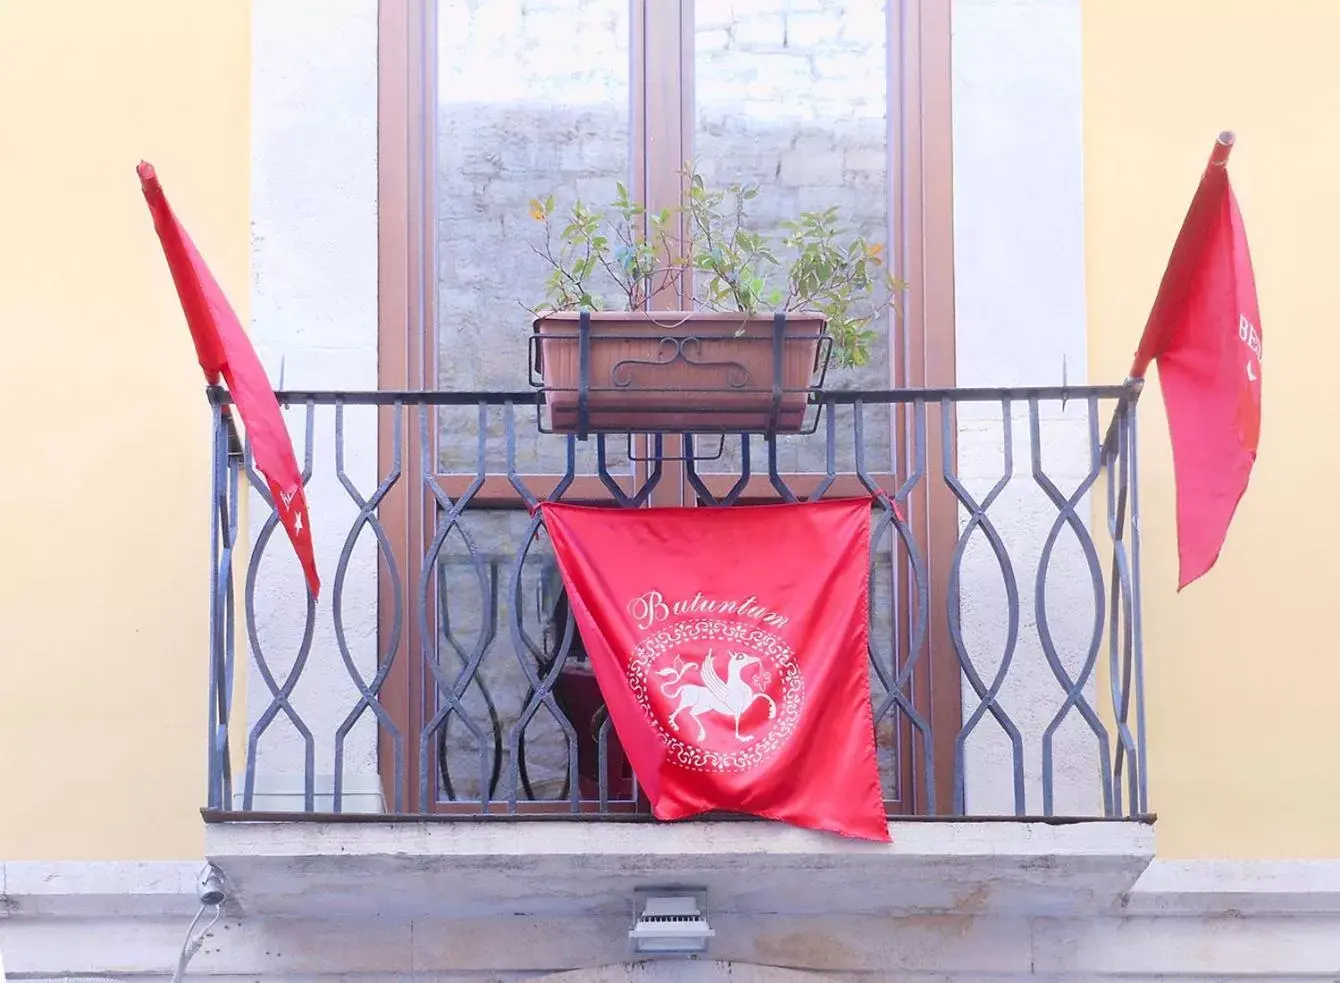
679	372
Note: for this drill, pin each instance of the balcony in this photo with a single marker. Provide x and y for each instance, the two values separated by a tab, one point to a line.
432	719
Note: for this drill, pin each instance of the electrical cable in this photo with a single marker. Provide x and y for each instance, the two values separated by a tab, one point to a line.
194	941
212	893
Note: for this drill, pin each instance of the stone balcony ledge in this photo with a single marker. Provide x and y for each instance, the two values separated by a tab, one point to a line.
466	868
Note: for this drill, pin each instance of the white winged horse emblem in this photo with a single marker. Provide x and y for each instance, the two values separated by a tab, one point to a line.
731	696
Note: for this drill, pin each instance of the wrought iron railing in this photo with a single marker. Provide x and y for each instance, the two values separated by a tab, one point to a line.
440	671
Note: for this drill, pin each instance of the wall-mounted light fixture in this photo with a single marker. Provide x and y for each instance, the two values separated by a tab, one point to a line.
670	923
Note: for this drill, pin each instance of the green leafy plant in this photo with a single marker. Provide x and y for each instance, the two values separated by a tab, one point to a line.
814	264
621	245
735	261
838	277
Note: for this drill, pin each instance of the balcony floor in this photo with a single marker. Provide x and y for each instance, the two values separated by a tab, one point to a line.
483	868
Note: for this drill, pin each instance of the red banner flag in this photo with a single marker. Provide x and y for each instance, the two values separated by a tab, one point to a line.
224	349
731	647
1205	334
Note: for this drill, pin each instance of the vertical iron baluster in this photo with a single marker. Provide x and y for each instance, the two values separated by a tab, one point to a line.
541	687
218	717
1137	625
449	516
1128	625
1111	452
280	694
886	674
830	455
602	765
489	628
1067	515
746	469
227	559
987	695
528	654
898	682
774	475
369	692
1120	620
699	486
399	410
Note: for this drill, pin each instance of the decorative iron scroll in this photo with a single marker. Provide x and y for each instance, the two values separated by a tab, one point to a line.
687	349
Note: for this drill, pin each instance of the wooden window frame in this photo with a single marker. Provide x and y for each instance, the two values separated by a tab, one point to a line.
662	123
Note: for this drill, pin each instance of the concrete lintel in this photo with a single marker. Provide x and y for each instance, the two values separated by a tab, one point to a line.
479	869
98	889
1256	947
937	948
285	947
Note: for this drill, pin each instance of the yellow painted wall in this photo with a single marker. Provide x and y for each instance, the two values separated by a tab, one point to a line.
1243	667
105	441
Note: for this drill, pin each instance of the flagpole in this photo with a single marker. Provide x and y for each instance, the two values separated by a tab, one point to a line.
1134	387
218	394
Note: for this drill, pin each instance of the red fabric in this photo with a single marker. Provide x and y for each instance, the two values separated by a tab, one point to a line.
1205	334
223	349
704	609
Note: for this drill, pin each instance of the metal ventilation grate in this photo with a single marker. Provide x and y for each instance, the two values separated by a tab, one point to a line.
671	924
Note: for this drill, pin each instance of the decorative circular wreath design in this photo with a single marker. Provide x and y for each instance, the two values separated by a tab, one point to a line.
770	650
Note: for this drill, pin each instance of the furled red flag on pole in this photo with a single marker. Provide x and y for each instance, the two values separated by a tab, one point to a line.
1205	334
730	645
224	349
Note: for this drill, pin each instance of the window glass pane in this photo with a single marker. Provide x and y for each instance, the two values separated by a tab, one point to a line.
791	95
489	736
532	100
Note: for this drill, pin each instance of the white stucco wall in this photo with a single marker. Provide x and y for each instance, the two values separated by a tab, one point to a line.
1019	299
314	310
